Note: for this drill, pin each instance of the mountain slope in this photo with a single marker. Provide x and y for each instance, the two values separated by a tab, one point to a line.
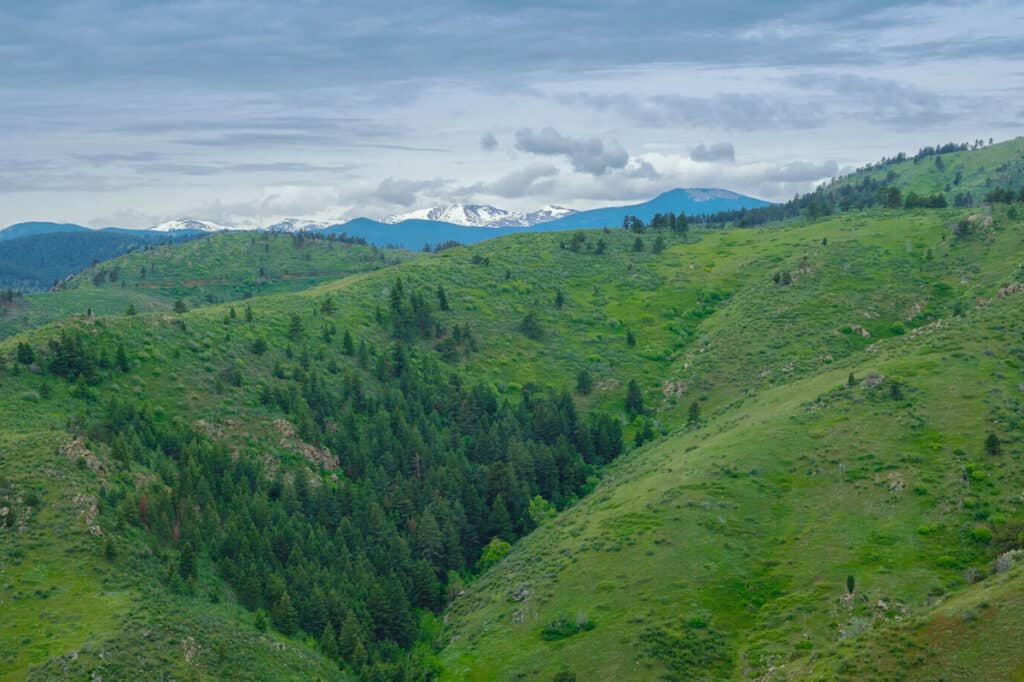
221	267
32	229
38	261
722	552
692	202
725	532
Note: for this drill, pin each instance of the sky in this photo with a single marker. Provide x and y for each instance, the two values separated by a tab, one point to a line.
131	112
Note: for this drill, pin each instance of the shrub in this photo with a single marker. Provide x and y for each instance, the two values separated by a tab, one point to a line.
564	627
982	534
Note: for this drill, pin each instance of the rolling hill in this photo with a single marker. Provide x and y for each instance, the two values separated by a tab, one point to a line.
785	452
220	267
32	229
37	261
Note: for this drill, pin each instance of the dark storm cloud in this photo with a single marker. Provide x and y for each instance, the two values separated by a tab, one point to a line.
587	155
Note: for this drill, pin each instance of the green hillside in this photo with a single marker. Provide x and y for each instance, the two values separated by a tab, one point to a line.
971	172
689	442
218	268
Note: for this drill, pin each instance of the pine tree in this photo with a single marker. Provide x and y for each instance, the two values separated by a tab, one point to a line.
630	339
634	399
180	307
693	415
442	298
993	446
584	382
284	615
295	327
121	361
499	521
26	355
329	642
347	345
559	299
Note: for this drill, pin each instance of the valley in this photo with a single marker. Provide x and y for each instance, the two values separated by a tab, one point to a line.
781	446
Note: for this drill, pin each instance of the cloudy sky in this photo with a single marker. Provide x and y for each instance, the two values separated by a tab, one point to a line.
129	112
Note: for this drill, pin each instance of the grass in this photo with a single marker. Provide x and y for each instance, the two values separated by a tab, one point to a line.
720	549
218	268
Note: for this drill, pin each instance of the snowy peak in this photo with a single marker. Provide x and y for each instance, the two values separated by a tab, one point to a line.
471	215
477	215
300	225
191	224
548	213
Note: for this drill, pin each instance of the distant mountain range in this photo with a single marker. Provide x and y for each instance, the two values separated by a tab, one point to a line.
454	222
475	215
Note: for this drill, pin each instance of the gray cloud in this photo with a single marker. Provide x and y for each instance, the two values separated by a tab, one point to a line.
488	142
729	111
801	171
881	101
524	182
406	192
589	155
722	151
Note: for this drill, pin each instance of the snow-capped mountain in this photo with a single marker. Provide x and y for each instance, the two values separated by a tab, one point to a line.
548	213
190	224
476	215
300	225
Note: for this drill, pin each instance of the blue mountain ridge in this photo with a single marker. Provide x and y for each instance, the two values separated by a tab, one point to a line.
413	234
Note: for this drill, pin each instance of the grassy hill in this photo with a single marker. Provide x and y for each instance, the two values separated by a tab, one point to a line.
971	172
218	268
35	261
817	403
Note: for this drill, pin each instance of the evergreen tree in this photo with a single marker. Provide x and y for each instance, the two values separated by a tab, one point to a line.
179	306
559	299
442	298
630	339
530	327
638	244
634	399
993	445
121	361
295	327
584	382
329	642
26	355
284	615
347	345
693	415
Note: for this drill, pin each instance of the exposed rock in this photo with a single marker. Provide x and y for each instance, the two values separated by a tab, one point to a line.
1008	559
1010	289
316	456
76	450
